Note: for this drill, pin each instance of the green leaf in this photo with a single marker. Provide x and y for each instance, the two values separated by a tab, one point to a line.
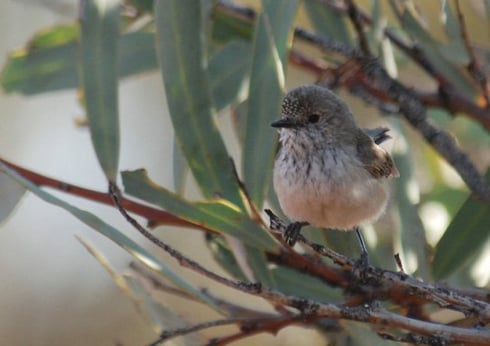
162	318
159	317
270	47
259	264
327	22
10	194
181	50
227	28
227	72
47	63
223	256
50	60
295	283
433	51
110	232
465	235
455	49
218	215
180	169
100	30
412	232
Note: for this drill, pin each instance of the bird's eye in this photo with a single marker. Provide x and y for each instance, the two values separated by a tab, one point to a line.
313	118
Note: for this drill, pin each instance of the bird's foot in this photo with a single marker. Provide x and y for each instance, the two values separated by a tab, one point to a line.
362	265
292	232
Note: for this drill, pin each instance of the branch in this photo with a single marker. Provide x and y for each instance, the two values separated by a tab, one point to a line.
155	216
396	286
355	18
372	314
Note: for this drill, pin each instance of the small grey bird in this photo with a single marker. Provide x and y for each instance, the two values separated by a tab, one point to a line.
328	173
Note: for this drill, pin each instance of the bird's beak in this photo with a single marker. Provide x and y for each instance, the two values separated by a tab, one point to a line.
285	122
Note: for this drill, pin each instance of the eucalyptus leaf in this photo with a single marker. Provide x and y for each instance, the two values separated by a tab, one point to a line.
217	215
432	49
228	68
455	49
226	28
180	169
98	48
224	256
412	232
327	22
160	316
50	61
259	264
112	233
181	50
465	235
269	57
11	193
295	283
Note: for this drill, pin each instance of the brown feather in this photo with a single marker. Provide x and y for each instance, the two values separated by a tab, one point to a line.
376	160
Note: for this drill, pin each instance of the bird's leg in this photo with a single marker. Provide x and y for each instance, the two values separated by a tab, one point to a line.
363	261
292	232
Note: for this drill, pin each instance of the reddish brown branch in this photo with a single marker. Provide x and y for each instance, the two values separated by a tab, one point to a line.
372	314
156	216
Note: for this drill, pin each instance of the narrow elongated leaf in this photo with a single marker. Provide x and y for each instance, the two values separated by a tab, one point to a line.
110	232
259	264
180	169
227	28
159	317
181	50
10	194
434	53
292	282
411	227
162	317
50	60
270	46
465	235
218	215
227	71
224	256
100	28
327	22
455	49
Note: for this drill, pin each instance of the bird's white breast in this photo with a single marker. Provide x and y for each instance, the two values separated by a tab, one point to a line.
327	187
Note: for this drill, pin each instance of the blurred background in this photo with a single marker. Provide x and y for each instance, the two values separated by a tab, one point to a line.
52	292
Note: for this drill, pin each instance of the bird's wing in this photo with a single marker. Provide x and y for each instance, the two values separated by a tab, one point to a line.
376	160
378	134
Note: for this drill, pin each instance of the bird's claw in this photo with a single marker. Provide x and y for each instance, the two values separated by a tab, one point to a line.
292	232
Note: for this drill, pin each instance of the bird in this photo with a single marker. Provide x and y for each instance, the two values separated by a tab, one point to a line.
329	172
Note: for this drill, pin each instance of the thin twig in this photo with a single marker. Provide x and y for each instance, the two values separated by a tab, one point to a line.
355	19
387	282
474	66
170	334
181	258
364	313
270	326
